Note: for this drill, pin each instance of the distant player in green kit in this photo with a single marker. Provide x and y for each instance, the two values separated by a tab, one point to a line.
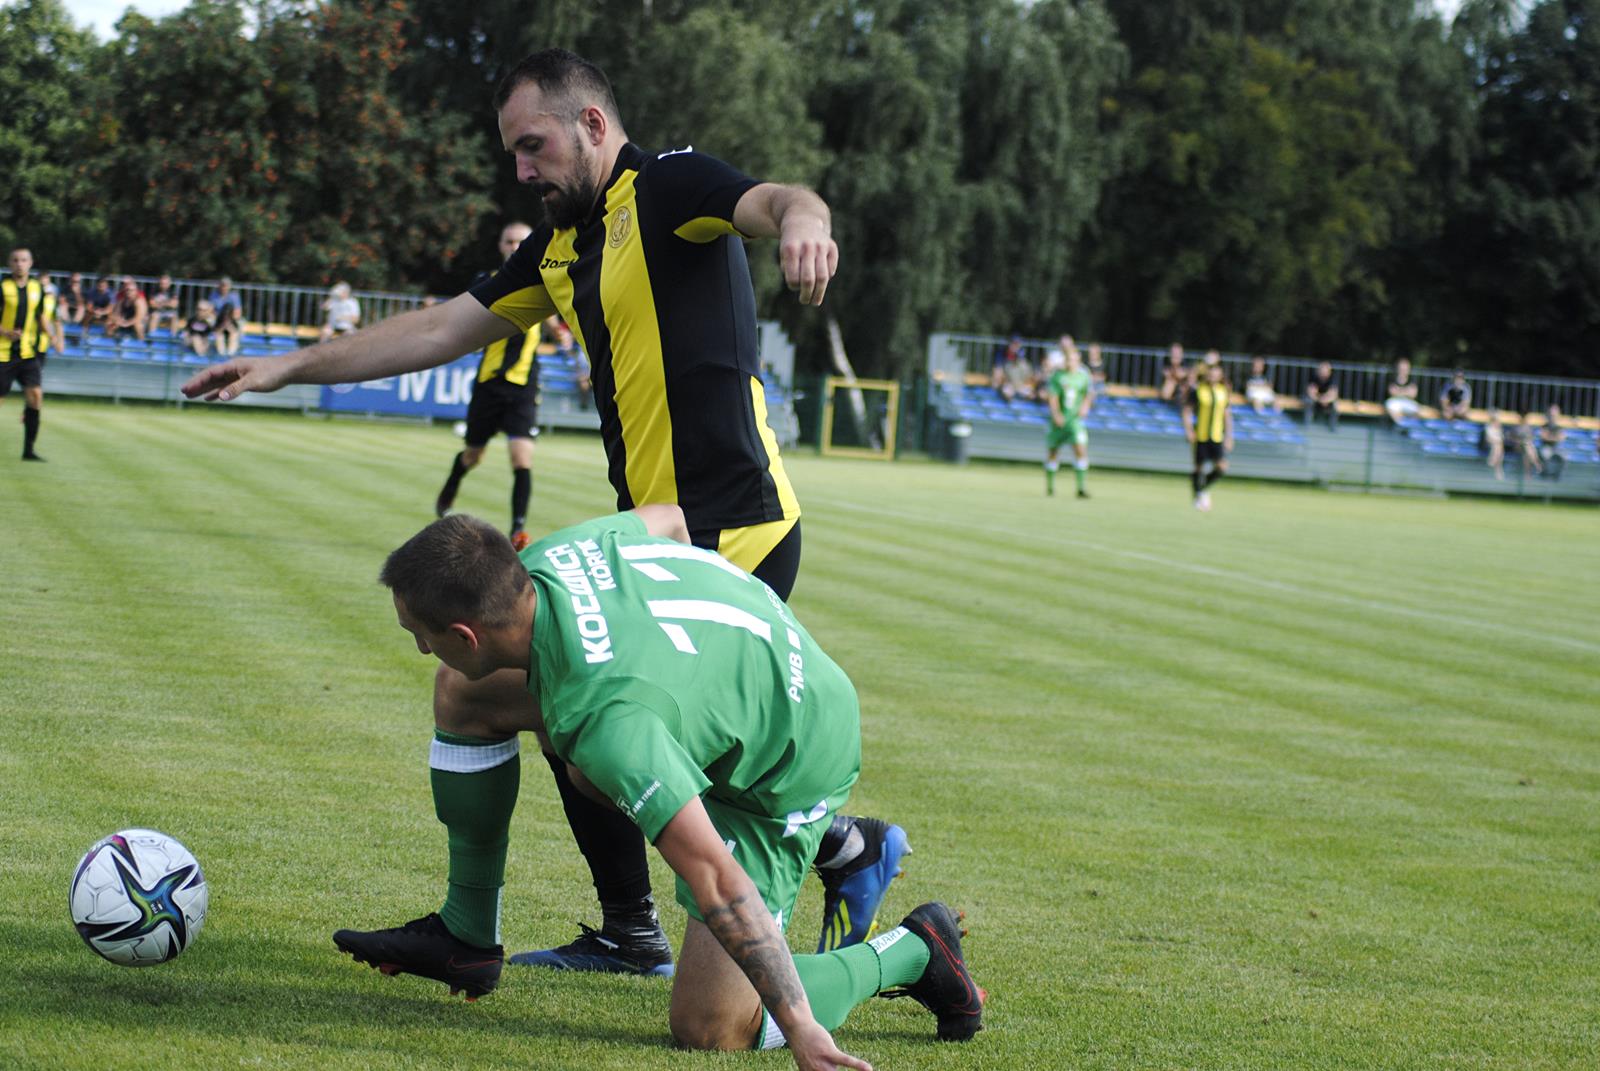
681	690
1070	393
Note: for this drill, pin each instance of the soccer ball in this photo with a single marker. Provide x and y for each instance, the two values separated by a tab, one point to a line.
138	898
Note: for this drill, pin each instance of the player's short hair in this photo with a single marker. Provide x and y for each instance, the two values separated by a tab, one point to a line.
457	569
569	82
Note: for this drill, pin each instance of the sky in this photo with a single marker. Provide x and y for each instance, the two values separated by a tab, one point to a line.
100	14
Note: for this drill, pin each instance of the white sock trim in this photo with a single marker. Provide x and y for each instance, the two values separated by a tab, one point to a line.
1081	466
471	758
884	941
771	1036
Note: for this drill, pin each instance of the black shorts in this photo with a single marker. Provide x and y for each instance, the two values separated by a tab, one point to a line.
26	373
777	570
1204	452
502	407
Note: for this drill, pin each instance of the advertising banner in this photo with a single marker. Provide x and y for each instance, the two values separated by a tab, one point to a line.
441	393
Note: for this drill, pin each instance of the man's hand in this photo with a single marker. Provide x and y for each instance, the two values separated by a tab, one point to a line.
809	257
225	382
801	222
1058	420
1227	445
814	1050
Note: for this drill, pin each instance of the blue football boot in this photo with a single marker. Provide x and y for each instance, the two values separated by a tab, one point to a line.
853	892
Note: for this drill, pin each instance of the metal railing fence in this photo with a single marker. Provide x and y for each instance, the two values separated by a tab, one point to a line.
294	307
1140	366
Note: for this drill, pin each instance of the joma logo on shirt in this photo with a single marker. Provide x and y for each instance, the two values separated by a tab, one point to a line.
551	263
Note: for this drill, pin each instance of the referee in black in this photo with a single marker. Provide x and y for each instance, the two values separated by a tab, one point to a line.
25	326
642	254
1208	424
505	398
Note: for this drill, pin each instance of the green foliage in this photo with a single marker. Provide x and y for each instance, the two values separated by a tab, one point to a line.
1332	177
1528	237
280	153
1255	179
50	131
192	146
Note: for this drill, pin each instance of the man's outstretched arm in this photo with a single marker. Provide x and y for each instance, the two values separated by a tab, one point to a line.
413	340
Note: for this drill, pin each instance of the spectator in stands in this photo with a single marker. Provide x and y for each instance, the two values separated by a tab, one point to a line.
1520	440
1010	371
1492	442
1258	388
1097	368
1401	391
74	304
1322	397
1552	438
229	314
1174	376
1455	401
101	300
199	330
130	311
342	310
163	304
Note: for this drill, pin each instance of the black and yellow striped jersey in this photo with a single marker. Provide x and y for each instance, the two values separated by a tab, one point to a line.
41	337
514	360
21	310
1209	401
656	288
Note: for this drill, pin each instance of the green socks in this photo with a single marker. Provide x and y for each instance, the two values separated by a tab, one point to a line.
1081	471
837	981
474	792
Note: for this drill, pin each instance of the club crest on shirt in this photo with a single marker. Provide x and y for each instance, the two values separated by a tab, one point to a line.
621	227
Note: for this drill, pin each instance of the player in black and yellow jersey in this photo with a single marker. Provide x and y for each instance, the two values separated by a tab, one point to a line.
505	398
24	335
641	254
1208	423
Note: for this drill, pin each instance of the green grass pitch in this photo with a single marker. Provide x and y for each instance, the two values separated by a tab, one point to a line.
1312	781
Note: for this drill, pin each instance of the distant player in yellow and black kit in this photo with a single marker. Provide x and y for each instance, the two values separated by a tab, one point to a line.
25	324
1208	423
505	398
641	254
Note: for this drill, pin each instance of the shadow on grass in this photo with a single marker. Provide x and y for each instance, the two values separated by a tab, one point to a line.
243	988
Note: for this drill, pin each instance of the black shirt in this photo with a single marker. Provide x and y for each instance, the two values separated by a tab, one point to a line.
655	287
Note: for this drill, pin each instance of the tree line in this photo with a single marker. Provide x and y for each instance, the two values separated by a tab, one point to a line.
1335	178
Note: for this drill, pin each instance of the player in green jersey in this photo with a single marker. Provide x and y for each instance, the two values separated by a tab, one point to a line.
1070	393
681	690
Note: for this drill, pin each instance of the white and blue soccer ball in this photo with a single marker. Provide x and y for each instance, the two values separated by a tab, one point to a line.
138	898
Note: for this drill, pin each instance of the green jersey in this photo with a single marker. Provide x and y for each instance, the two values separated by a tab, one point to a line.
664	672
1070	388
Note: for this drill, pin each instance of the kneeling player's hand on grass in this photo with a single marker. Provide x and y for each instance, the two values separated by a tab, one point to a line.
224	382
814	1050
